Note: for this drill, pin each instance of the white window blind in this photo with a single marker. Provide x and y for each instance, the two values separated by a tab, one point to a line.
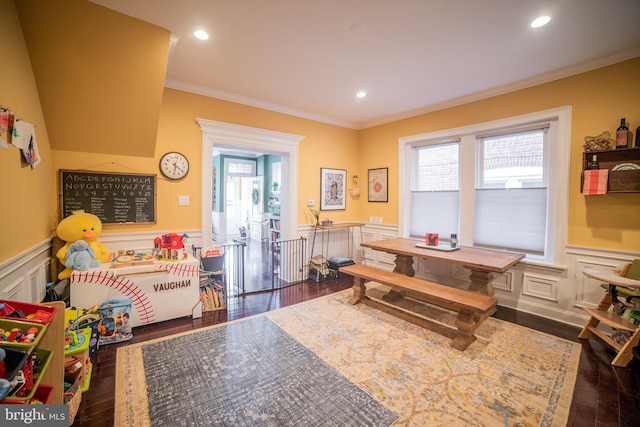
434	212
511	219
511	193
435	201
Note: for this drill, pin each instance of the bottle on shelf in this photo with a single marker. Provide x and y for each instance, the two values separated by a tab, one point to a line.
622	135
593	162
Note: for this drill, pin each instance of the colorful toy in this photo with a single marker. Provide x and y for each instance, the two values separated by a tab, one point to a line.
172	246
114	326
81	226
16	335
80	256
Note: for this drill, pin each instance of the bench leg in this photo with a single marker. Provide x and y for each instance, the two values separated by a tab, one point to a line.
466	324
359	291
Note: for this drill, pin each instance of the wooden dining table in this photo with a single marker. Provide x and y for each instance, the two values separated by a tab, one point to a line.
483	263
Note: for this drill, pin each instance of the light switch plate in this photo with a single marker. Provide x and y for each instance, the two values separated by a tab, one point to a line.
183	200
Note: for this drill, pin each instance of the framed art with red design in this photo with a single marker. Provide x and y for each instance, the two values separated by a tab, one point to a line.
378	184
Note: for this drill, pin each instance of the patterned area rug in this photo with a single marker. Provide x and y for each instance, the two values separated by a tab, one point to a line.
510	375
250	373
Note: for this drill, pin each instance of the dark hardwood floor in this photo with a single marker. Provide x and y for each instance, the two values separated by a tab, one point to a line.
603	396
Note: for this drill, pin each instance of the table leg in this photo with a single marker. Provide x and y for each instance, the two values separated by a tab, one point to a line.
404	265
481	282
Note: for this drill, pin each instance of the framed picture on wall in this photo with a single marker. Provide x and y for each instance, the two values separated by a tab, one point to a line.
378	184
333	189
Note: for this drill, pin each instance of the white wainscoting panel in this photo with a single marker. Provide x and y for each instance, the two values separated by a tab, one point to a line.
24	277
368	236
16	291
503	282
540	286
588	292
37	276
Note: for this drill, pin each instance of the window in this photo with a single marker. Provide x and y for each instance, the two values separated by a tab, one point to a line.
436	189
499	185
511	191
240	167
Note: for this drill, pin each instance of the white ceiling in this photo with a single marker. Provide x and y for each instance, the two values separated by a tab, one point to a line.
310	57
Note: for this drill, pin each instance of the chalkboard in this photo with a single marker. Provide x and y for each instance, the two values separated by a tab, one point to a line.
115	198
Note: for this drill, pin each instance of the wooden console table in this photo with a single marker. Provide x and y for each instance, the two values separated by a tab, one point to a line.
482	262
324	246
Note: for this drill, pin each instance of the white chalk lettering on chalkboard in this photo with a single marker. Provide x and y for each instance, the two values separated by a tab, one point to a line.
112	196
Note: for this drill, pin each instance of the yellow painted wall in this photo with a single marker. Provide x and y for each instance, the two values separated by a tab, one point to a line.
100	75
324	146
26	212
599	99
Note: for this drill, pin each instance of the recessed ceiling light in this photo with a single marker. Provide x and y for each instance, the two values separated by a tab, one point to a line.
361	94
358	29
201	35
540	21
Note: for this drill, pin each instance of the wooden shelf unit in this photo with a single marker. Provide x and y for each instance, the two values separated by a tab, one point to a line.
275	228
621	181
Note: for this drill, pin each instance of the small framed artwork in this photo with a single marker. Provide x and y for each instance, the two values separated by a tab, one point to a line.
333	189
378	183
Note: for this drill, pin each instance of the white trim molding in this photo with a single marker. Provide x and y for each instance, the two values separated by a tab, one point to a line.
266	141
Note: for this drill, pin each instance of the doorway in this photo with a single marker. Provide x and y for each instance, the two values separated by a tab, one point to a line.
251	139
226	135
241	205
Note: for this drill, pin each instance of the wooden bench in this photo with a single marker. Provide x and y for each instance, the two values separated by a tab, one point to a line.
472	307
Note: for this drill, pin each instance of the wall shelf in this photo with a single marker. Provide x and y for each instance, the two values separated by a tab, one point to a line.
622	177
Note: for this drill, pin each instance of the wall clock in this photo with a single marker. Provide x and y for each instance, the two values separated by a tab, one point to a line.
174	165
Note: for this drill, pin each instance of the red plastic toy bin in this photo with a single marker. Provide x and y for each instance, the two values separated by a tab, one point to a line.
32	312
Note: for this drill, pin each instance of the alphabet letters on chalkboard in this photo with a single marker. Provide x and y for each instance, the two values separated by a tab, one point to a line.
115	198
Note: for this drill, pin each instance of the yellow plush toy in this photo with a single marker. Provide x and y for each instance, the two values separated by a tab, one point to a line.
81	226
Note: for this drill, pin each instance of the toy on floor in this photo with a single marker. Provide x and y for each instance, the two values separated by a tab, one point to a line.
114	326
81	226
